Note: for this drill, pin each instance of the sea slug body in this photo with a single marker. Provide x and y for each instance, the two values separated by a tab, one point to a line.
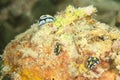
46	19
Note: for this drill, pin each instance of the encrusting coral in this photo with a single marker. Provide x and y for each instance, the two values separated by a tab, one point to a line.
73	47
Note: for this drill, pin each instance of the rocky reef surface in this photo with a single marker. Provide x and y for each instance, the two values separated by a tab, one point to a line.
74	46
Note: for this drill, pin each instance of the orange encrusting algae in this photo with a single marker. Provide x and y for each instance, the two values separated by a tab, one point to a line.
108	75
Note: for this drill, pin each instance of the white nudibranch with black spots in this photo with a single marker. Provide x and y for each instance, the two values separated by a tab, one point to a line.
92	62
45	19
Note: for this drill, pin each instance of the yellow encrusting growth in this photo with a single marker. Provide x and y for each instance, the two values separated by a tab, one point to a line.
82	69
70	15
29	74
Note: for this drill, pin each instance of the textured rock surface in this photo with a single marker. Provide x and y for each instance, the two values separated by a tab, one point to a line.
31	55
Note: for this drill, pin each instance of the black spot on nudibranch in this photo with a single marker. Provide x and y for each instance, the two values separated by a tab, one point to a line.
92	62
46	19
57	48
